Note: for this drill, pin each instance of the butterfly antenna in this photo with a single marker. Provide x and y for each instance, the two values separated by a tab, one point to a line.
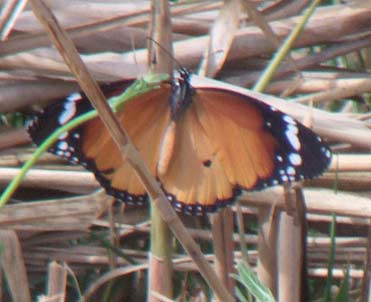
180	67
134	49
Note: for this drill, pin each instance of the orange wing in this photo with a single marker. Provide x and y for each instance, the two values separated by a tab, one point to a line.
220	144
226	142
145	118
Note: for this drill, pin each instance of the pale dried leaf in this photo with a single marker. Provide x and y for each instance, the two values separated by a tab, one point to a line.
221	37
61	214
57	282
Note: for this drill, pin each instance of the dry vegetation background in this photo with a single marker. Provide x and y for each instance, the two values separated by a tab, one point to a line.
95	243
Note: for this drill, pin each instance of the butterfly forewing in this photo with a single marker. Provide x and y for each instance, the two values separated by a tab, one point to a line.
59	113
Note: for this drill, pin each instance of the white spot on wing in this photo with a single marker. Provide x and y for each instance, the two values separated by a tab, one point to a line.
289	120
292	136
290	170
62	145
63	136
73	97
68	112
295	159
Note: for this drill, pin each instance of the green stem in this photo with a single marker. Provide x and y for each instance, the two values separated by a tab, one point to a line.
331	261
161	252
280	55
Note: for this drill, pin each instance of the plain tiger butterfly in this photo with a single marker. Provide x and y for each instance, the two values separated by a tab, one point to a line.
204	143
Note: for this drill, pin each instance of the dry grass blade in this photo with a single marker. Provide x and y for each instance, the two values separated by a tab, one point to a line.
107	20
289	268
264	25
13	266
367	270
221	37
70	181
15	95
57	283
267	246
69	214
222	232
292	236
77	31
356	181
9	13
348	89
283	9
317	201
13	138
113	274
350	162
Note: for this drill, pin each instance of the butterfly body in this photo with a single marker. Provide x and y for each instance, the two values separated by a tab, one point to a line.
181	96
204	144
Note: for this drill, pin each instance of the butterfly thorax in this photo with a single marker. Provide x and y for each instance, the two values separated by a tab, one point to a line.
182	93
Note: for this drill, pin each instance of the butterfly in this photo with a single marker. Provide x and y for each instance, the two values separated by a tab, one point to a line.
203	141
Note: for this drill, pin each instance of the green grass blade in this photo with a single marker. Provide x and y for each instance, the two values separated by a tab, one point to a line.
331	261
343	294
247	278
280	55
